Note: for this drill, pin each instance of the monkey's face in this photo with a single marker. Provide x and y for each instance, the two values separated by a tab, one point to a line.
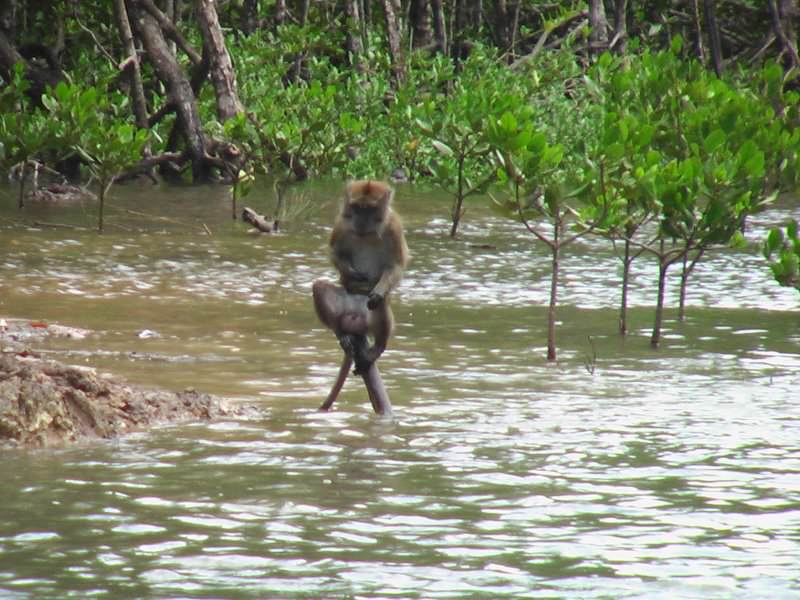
365	219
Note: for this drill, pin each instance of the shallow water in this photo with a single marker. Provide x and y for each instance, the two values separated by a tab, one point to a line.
618	472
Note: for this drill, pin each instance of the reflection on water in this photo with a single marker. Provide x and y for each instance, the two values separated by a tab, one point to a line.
617	473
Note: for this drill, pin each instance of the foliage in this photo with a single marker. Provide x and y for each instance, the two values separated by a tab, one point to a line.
454	126
784	245
691	151
541	189
647	146
88	123
24	132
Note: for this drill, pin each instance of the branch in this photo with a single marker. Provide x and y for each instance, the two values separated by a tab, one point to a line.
548	29
550	243
172	32
94	38
788	45
177	159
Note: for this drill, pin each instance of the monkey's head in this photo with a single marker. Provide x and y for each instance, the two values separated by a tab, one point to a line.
366	206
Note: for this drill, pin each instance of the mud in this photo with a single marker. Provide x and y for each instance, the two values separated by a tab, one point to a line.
44	403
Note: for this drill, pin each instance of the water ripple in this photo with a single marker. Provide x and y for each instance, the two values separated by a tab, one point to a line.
617	472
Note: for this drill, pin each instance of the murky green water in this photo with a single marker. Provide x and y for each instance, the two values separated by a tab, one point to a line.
669	474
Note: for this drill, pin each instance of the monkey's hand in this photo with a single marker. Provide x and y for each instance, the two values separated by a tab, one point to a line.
374	300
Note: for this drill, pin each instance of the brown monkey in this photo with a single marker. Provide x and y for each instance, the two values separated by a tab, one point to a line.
369	250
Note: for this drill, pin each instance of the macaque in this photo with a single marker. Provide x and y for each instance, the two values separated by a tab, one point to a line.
369	250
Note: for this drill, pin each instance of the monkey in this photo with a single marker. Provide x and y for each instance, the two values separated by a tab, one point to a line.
368	249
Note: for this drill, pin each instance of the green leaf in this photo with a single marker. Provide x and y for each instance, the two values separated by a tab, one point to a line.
538	142
714	141
50	103
644	135
738	241
522	139
773	242
552	156
605	60
615	152
508	123
443	148
790	263
754	166
63	92
791	229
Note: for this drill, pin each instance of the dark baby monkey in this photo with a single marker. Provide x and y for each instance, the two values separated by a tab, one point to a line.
369	250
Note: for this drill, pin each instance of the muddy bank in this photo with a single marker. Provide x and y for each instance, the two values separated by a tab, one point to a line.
46	403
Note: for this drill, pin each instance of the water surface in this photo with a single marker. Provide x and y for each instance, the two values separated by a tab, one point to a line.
618	472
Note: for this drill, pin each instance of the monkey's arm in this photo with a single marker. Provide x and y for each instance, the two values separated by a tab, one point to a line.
393	273
387	282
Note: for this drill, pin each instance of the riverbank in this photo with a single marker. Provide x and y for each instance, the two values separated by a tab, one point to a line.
44	403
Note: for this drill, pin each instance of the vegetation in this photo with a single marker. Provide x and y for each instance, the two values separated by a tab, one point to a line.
782	249
689	151
659	125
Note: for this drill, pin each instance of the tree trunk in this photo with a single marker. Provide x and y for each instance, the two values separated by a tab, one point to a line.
783	25
688	268
101	208
598	25
459	32
713	35
685	271
551	311
21	191
655	339
475	14
179	90
439	28
281	12
223	77
249	21
138	101
502	25
620	40
354	46
419	15
555	249
9	56
391	8
789	12
458	205
296	70
699	50
168	27
626	274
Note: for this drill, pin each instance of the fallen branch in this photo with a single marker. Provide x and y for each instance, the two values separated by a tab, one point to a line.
58	225
258	221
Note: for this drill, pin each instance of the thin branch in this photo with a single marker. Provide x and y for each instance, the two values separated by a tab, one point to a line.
96	41
172	32
550	243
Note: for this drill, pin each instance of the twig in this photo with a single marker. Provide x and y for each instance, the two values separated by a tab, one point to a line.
58	225
591	362
94	37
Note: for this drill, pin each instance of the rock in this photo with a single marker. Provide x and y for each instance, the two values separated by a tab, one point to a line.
45	403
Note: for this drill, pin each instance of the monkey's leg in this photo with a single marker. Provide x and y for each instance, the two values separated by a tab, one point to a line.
377	393
344	371
357	348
